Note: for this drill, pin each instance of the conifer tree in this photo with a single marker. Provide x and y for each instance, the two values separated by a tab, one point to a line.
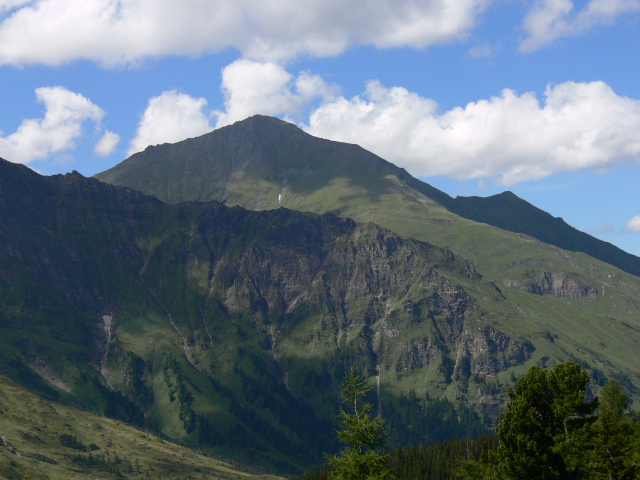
363	457
612	437
542	434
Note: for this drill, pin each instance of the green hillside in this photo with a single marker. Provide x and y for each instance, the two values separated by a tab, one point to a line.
53	441
230	329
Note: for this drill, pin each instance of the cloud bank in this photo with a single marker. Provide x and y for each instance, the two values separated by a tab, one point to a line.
121	32
509	138
549	20
58	130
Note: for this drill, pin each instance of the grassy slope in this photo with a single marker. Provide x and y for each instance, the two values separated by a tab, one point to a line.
32	426
603	332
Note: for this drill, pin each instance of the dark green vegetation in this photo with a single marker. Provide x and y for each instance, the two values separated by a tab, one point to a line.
544	432
50	440
435	462
548	431
230	329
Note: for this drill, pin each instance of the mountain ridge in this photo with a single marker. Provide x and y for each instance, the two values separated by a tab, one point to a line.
260	142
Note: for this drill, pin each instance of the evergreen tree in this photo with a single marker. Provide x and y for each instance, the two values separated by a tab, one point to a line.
364	456
542	434
612	437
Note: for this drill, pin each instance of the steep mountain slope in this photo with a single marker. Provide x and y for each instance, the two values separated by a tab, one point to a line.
49	440
263	163
231	329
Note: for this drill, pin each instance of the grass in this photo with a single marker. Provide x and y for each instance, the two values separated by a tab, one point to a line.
31	427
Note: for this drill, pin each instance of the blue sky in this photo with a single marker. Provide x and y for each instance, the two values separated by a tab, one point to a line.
474	97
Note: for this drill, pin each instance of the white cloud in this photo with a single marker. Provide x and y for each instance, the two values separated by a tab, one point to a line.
510	138
249	88
605	228
266	88
116	32
170	117
549	20
107	144
57	131
633	225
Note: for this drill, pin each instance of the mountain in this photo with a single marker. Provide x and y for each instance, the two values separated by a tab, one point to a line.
231	329
509	212
589	307
263	162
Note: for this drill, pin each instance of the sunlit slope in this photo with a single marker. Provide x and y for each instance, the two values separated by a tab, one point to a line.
33	443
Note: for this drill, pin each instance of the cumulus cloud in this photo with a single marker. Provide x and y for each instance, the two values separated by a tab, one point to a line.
633	225
170	117
251	87
549	20
107	144
57	131
116	32
509	138
606	227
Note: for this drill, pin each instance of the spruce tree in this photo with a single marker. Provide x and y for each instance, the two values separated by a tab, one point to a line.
612	437
363	457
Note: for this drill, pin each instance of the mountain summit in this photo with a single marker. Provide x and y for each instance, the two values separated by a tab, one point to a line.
263	162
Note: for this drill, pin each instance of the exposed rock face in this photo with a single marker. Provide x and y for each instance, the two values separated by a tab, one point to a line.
558	284
561	286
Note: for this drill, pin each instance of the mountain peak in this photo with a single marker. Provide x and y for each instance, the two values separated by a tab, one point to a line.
263	163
